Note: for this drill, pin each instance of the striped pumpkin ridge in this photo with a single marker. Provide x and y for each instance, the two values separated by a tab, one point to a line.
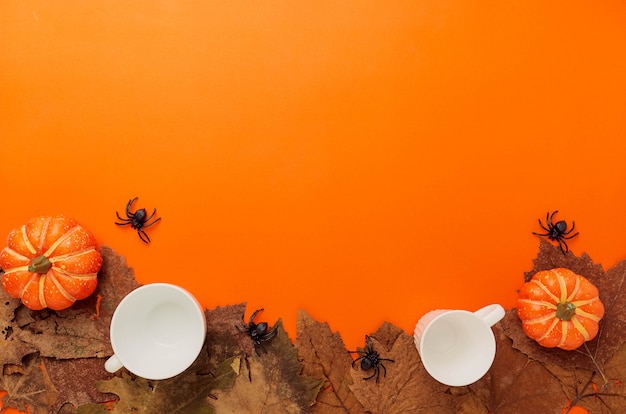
560	308
50	262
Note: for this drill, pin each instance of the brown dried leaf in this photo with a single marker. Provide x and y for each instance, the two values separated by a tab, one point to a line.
407	388
186	393
116	280
29	386
590	390
324	355
223	338
270	382
12	349
550	256
76	332
613	326
516	382
612	332
75	380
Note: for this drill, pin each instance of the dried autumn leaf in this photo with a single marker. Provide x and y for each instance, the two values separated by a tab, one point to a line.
270	382
324	355
116	280
612	328
407	388
223	339
75	380
12	349
517	384
76	332
29	387
186	393
612	332
550	256
588	389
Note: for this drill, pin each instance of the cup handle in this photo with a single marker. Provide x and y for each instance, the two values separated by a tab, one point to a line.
113	364
490	314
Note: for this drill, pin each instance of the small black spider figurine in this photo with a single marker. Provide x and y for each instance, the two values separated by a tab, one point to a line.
258	332
370	359
137	220
557	231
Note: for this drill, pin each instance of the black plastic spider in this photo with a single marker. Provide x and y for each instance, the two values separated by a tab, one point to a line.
370	359
557	231
258	332
137	220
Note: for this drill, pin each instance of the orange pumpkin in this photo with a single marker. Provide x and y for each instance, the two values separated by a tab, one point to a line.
50	262
559	308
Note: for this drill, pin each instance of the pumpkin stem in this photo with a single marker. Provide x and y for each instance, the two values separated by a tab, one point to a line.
39	264
565	311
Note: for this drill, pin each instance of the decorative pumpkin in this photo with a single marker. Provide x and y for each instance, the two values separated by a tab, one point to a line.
559	308
50	262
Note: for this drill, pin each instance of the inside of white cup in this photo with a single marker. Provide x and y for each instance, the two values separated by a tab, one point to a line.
157	332
457	348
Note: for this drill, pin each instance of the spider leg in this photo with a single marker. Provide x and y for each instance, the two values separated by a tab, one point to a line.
120	217
269	335
254	315
570	230
549	221
150	224
561	244
384	370
143	236
356	360
123	224
257	346
372	376
130	202
541	234
542	226
569	237
151	215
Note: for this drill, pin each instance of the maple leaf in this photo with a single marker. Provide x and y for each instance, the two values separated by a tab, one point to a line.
75	381
223	339
612	328
515	381
590	390
29	386
407	387
12	349
324	355
186	393
270	382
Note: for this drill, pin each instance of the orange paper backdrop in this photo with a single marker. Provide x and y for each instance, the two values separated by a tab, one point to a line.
365	161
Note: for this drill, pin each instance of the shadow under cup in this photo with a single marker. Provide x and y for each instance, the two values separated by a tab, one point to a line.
457	348
157	331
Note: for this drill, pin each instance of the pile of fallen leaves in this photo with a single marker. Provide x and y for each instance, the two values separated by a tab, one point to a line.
53	362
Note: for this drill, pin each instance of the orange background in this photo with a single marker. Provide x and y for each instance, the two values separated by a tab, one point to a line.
365	161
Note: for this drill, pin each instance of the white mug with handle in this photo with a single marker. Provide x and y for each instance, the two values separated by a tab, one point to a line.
157	331
457	347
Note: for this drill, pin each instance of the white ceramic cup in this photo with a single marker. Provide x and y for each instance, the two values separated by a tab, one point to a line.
157	331
457	347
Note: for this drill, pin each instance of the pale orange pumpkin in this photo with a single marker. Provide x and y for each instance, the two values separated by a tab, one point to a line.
560	308
50	262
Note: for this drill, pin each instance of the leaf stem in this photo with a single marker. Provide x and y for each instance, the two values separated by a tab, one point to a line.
595	362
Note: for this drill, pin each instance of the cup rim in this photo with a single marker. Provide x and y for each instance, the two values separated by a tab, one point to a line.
467	380
199	317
